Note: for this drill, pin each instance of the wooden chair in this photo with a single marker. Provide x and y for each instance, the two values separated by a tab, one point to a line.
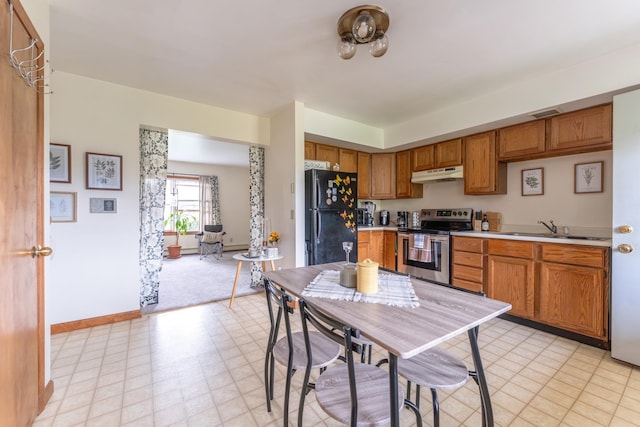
352	393
290	350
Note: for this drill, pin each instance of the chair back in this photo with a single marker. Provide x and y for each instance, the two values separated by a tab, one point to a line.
213	228
280	306
340	333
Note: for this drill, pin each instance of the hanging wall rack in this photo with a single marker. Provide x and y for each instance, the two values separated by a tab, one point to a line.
26	61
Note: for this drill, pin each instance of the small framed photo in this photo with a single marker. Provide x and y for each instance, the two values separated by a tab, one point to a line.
62	206
533	182
59	163
104	172
588	177
98	205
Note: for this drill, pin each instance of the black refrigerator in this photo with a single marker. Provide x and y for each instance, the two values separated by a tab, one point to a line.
330	215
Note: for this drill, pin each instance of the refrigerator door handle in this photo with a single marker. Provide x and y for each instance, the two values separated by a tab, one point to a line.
318	195
318	226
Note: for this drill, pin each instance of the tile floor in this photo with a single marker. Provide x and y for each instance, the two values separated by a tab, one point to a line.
203	366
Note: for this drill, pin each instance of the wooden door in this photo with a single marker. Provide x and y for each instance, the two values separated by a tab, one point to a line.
21	195
364	175
348	160
328	153
404	187
482	172
522	141
448	153
423	158
383	175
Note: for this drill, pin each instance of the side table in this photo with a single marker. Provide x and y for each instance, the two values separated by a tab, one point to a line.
241	257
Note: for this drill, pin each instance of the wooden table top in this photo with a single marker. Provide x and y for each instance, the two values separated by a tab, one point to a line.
443	313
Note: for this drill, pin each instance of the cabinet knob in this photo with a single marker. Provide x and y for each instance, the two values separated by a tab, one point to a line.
625	248
625	229
40	251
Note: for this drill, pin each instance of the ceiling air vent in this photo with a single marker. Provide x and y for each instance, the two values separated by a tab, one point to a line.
546	113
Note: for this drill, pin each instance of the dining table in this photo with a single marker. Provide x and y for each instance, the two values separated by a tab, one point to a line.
443	312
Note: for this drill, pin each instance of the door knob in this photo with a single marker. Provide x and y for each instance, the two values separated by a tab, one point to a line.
41	251
625	248
625	229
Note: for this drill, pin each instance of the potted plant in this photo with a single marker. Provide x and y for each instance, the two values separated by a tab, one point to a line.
182	221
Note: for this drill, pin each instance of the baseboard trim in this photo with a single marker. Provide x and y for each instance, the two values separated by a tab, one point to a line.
94	321
45	396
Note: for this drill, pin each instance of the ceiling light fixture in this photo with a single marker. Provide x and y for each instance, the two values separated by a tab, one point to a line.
360	25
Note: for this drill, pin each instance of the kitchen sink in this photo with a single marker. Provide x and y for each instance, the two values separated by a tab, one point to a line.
554	236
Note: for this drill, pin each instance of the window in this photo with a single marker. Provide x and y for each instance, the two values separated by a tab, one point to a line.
182	193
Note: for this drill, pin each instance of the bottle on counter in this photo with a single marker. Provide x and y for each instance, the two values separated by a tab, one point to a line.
485	223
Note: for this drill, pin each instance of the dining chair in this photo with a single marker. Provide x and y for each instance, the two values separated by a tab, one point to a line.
290	350
433	368
351	393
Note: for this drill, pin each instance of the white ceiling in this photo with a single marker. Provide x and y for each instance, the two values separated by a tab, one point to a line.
257	56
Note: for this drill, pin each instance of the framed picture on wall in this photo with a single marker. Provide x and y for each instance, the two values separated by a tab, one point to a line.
533	182
588	177
62	206
98	205
59	163
104	171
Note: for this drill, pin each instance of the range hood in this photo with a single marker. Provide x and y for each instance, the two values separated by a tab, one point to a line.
435	175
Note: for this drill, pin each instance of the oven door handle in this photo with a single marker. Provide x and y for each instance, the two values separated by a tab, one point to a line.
434	254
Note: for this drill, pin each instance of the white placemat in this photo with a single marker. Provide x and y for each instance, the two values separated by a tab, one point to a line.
393	289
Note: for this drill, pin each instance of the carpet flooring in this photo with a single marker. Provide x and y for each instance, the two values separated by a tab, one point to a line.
189	280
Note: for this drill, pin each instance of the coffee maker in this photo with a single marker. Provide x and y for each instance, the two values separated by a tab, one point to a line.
403	218
384	217
369	208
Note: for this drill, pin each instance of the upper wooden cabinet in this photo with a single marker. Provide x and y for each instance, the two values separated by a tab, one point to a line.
583	130
309	150
448	153
404	187
383	175
440	155
364	175
483	174
526	140
328	153
348	160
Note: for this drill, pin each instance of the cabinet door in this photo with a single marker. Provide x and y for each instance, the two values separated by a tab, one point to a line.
404	187
363	245
309	150
581	130
348	160
572	298
376	246
423	158
512	280
483	174
448	153
522	141
389	250
328	153
364	175
383	175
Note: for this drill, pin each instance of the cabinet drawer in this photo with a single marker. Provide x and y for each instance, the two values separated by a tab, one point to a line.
468	244
467	258
464	284
464	272
576	255
511	248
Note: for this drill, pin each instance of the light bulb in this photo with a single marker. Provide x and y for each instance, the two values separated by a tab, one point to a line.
364	27
346	48
379	46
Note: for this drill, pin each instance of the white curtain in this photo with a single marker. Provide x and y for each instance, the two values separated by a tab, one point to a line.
209	201
153	181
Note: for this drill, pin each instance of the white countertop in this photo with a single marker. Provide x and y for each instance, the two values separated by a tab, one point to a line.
564	240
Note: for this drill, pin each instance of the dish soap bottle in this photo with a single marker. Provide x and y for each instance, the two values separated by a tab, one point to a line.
485	223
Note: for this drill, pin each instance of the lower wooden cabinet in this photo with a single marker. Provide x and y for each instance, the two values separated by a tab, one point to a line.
561	285
378	246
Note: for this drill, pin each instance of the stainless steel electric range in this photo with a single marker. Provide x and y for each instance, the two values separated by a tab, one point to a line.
425	252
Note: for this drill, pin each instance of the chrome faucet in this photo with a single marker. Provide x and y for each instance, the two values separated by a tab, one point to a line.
553	229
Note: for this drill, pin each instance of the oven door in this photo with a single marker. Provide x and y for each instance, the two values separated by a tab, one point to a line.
424	255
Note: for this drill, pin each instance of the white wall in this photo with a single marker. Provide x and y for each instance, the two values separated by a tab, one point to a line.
233	184
94	269
559	202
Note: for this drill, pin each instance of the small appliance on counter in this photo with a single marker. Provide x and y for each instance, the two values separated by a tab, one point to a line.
384	217
369	208
403	219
